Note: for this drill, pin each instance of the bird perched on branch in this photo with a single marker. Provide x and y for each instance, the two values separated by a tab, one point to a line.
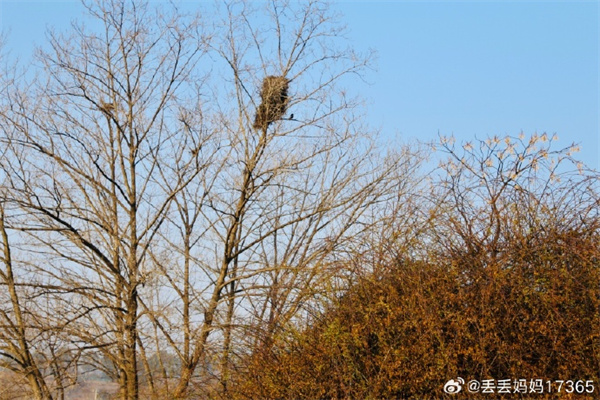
274	101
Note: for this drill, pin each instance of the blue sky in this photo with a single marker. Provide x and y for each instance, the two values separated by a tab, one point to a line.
479	68
469	68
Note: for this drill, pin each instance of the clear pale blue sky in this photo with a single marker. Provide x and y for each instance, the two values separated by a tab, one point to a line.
465	68
484	68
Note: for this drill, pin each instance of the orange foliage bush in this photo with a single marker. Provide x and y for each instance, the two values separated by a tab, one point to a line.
532	313
509	288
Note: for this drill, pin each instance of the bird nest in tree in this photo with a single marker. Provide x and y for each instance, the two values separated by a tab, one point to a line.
274	101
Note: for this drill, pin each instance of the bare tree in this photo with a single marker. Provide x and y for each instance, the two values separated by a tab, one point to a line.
181	213
92	139
16	330
257	234
494	190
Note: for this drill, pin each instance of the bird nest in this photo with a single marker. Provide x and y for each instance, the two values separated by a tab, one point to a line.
274	101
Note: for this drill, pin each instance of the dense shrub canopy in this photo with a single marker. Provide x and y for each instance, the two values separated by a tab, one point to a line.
506	290
531	313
